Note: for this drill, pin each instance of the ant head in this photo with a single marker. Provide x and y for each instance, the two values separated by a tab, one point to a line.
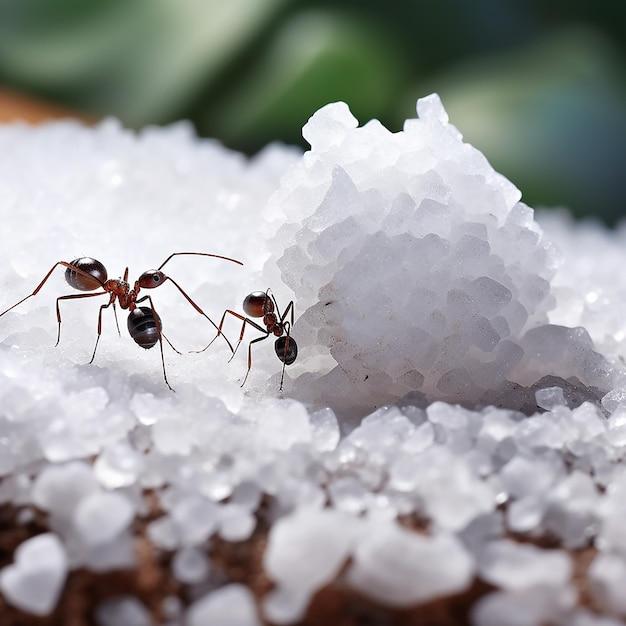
151	279
258	304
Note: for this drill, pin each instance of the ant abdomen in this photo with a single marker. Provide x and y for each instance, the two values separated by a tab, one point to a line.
144	326
89	266
286	349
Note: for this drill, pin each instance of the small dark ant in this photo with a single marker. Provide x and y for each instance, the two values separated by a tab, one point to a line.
261	304
144	323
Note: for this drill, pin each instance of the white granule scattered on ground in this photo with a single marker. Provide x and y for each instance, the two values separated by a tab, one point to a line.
421	281
35	580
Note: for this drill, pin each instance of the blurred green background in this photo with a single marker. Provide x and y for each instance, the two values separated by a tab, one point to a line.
539	86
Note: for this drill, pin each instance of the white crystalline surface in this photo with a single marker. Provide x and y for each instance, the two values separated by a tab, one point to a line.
418	279
125	610
34	582
232	605
417	267
512	565
306	550
401	568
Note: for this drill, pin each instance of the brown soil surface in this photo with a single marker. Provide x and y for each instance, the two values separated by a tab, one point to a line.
151	582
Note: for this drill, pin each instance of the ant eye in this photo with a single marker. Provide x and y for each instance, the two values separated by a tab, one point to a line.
156	278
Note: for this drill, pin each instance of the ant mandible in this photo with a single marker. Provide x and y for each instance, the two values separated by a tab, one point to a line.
144	323
261	304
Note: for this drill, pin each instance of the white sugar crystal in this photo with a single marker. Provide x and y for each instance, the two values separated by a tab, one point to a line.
195	518
148	409
170	438
116	554
60	488
348	494
328	125
232	605
304	552
101	517
281	424
512	565
283	605
236	523
550	397
124	610
612	534
422	438
405	473
523	476
614	399
190	565
453	495
588	421
528	607
381	431
589	284
247	495
401	568
587	618
325	429
526	514
25	516
79	434
431	108
572	510
164	533
446	415
617	426
482	530
118	466
606	577
172	609
33	583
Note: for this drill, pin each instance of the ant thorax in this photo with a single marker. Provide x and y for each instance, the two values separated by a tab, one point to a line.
122	291
117	286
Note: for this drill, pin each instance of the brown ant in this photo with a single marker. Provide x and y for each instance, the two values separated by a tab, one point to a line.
261	304
144	323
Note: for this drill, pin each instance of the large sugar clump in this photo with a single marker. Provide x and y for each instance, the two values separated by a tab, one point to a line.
417	267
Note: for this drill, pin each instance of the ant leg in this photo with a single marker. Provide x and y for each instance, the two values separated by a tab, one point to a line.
246	320
170	343
158	325
289	309
268	293
286	351
104	306
243	330
219	332
73	297
287	326
286	312
116	322
197	308
238	316
45	278
250	355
